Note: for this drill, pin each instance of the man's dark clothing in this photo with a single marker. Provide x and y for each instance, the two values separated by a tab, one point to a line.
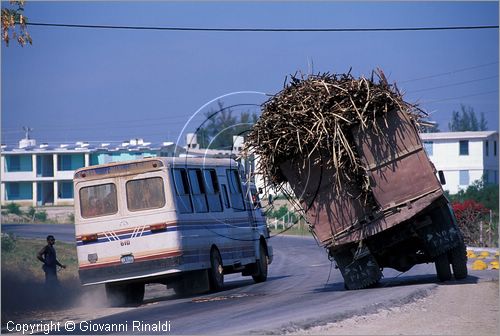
50	265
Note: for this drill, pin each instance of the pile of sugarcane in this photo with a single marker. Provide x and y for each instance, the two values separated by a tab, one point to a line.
315	114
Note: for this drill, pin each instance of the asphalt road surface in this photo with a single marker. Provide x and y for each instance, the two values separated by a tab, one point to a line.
62	232
303	289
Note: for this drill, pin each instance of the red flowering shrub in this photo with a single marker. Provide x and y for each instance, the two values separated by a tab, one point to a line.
469	215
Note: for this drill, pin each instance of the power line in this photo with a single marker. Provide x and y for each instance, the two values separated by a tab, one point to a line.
448	73
64	25
454	84
460	97
177	119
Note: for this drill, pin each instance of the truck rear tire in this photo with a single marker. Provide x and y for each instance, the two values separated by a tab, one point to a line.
443	267
357	274
216	271
261	265
458	260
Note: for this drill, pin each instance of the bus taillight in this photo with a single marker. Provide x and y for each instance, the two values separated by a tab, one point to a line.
158	227
89	238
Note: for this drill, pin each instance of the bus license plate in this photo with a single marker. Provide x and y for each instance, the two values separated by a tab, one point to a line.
128	259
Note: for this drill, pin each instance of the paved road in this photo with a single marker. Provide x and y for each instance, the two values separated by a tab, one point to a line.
62	232
303	289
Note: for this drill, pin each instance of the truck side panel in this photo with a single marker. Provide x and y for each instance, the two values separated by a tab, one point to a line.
402	179
396	161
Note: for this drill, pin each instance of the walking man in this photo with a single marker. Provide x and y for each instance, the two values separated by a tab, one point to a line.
47	255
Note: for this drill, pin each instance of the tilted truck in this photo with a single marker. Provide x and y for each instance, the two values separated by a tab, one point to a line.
412	222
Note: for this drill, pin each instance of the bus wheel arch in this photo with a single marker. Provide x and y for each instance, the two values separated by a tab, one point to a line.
262	241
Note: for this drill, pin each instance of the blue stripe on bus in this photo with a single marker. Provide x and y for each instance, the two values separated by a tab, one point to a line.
168	229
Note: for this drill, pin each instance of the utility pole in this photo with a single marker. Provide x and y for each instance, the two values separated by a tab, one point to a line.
490	228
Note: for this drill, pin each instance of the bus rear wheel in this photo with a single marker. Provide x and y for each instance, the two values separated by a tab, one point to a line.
216	271
261	265
122	294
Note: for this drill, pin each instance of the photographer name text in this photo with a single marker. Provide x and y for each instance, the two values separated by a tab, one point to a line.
87	326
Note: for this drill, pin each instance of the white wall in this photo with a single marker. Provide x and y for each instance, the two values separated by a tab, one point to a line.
18	176
453	179
446	155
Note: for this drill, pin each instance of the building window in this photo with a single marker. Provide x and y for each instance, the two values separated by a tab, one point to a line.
18	191
14	191
428	146
67	162
464	178
95	159
45	165
464	147
18	163
487	148
65	190
486	176
14	163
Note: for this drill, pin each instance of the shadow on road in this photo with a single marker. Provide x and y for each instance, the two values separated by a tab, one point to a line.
158	293
424	279
403	281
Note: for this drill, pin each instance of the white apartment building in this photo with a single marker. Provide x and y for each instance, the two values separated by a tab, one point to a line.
464	157
43	174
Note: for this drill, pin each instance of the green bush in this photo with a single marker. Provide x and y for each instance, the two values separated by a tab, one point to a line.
41	215
14	208
31	212
8	243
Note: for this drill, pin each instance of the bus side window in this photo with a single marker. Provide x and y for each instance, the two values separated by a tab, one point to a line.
225	196
212	189
198	190
182	190
235	189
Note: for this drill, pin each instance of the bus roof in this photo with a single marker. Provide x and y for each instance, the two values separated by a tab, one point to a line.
149	164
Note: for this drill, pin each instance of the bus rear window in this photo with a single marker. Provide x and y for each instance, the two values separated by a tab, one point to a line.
145	194
98	200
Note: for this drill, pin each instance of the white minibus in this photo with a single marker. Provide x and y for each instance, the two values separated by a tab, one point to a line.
184	222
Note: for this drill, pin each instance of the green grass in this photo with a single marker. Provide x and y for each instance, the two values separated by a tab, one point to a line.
19	255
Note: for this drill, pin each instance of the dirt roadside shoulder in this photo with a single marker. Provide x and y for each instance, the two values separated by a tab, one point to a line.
459	309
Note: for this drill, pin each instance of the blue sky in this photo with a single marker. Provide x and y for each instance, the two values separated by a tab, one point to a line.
111	85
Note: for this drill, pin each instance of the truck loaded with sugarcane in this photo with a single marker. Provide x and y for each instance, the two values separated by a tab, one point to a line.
350	151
